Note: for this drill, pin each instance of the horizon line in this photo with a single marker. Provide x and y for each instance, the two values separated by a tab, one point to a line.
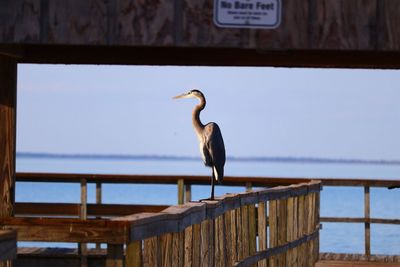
286	159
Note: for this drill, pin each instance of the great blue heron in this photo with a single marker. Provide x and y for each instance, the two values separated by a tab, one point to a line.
212	147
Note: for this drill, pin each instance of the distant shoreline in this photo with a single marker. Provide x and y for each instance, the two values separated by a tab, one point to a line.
176	158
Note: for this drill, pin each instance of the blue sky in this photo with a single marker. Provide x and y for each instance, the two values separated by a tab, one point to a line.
327	113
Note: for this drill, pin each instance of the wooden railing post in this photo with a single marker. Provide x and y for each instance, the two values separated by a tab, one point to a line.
249	186
98	202
367	223
188	193
133	256
115	255
181	191
83	216
8	94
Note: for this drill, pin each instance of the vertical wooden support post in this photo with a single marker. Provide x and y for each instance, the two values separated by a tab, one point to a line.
188	260
8	105
262	230
188	193
205	249
273	230
115	255
8	110
178	241
152	254
83	216
133	256
181	191
367	223
249	187
98	202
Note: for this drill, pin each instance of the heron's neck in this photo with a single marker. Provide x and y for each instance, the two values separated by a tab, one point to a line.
198	126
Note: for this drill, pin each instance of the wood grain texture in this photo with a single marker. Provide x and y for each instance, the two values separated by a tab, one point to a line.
178	249
133	256
262	230
166	250
152	252
388	21
206	248
199	28
188	246
291	34
8	245
115	256
20	21
145	22
76	22
8	91
342	24
67	230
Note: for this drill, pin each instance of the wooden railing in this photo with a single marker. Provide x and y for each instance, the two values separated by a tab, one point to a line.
184	184
8	246
223	232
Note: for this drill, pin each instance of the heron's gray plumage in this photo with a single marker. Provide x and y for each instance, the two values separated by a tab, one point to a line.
212	148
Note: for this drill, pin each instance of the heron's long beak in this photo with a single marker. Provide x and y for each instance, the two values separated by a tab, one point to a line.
180	96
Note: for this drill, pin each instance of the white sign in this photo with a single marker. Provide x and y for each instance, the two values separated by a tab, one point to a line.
247	13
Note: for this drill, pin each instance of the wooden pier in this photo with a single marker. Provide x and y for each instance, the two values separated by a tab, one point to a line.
242	218
230	231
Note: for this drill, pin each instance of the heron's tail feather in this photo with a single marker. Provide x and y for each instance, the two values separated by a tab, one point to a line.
218	174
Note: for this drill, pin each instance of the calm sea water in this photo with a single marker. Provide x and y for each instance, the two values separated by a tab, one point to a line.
347	202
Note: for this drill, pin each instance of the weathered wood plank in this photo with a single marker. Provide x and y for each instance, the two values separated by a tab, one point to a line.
77	22
8	245
181	192
388	19
293	33
20	21
178	249
252	230
166	250
367	226
262	230
290	230
234	229
206	248
275	182
342	24
67	230
324	263
152	252
188	246
115	256
229	246
244	211
8	92
69	209
196	245
140	23
133	256
273	229
199	28
188	193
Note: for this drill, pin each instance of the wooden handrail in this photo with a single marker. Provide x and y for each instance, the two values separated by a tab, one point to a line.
197	180
73	209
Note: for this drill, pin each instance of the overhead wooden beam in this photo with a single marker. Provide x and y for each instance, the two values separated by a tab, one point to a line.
201	56
8	93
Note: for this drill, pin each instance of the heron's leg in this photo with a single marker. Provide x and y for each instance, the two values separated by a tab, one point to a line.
212	186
